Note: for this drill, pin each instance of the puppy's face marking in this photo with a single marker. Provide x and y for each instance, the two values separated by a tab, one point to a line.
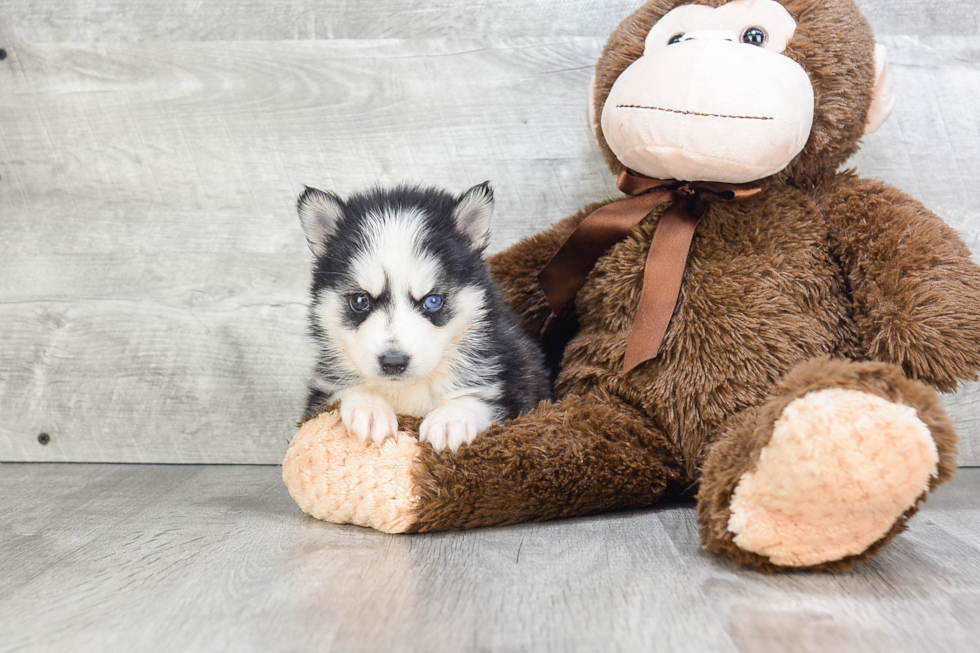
390	310
395	313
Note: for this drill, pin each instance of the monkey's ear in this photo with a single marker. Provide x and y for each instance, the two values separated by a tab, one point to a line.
319	213
473	212
883	96
593	118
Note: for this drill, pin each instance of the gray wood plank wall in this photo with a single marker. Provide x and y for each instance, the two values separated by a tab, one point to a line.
152	271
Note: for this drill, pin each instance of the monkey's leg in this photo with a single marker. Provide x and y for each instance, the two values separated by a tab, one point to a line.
827	470
579	456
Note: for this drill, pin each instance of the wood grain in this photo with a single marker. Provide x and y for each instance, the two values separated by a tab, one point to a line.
109	21
161	315
152	271
174	558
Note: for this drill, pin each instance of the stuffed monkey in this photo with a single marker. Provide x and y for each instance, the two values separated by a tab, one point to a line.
759	325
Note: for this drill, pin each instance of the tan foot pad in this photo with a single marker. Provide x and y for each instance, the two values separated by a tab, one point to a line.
335	477
842	466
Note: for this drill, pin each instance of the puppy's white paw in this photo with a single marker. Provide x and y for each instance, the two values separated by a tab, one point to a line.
367	416
450	427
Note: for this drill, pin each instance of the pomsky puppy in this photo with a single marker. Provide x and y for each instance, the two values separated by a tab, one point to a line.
407	319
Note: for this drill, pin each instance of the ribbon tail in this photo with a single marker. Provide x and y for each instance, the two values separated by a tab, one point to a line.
558	291
565	274
662	278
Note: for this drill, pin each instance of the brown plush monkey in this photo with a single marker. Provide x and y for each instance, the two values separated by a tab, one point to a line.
813	319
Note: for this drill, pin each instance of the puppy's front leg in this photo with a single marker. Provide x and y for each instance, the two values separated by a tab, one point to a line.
456	422
367	414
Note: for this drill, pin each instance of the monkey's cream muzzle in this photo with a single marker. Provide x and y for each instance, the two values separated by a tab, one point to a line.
707	103
709	109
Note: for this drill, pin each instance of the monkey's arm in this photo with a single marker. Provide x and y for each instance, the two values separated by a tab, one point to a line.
916	292
516	270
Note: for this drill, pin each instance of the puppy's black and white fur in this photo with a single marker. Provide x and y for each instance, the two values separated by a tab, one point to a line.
407	319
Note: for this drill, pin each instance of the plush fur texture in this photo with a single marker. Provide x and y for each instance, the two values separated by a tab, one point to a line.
840	467
826	281
581	456
743	438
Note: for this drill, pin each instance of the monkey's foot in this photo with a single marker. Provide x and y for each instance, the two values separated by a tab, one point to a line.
336	477
841	468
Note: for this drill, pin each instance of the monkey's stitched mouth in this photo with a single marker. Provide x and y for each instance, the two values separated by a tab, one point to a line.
692	113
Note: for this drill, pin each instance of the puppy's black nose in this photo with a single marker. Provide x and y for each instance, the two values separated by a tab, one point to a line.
394	362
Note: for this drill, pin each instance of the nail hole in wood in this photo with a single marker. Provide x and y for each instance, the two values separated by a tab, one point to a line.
44	438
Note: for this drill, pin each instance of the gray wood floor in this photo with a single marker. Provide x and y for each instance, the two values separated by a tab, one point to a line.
152	272
195	558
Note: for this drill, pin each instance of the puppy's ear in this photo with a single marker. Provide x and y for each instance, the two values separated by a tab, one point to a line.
473	212
319	213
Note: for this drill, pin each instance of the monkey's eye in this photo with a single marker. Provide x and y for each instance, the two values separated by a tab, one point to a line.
755	36
360	302
432	303
676	38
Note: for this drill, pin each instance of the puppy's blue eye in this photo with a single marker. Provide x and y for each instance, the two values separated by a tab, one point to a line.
676	38
360	302
432	302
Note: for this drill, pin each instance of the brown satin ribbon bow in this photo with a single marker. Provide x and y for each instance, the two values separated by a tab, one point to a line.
568	269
